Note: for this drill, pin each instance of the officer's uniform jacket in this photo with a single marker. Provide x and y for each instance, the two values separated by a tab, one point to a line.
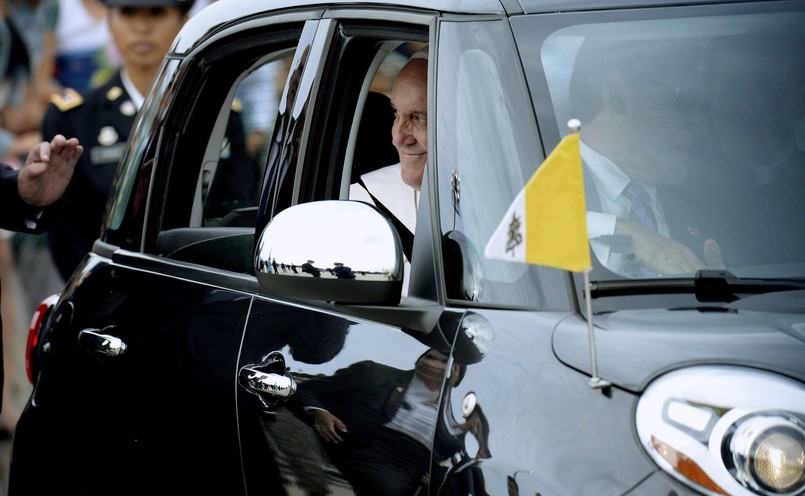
101	119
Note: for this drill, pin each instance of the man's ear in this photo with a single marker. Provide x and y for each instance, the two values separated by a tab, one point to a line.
615	92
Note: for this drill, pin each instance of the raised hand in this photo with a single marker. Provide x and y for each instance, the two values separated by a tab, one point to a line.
48	170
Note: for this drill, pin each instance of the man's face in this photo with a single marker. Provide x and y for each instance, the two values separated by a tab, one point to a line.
651	115
430	368
143	35
409	134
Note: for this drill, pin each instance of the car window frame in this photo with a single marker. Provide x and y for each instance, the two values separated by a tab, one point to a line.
177	159
547	288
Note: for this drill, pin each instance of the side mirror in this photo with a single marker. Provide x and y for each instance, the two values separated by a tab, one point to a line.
462	267
335	250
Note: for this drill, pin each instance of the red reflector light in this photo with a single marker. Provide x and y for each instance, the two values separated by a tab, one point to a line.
33	333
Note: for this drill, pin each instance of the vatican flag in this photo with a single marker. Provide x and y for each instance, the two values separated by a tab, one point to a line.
546	224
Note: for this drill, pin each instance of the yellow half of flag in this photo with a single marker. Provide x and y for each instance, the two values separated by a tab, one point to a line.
546	224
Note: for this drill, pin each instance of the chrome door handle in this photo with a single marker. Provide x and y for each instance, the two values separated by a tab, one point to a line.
268	380
258	382
98	343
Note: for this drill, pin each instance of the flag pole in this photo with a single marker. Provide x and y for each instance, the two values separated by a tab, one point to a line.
595	381
546	224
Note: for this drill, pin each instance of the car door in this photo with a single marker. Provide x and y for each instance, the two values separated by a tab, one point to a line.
301	355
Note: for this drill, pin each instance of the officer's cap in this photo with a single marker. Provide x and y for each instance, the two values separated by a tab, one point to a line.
185	5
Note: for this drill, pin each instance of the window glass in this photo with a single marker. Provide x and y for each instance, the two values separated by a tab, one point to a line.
704	109
488	147
230	184
200	150
211	211
131	174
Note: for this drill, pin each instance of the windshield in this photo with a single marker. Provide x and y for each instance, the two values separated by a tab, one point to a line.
692	134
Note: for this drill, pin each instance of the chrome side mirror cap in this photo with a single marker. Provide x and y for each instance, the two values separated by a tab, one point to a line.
334	250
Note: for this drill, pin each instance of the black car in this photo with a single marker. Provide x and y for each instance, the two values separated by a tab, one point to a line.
191	352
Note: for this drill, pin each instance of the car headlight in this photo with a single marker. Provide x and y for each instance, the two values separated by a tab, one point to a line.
726	430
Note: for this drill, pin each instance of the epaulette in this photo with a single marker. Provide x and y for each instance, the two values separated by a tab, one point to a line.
237	105
67	99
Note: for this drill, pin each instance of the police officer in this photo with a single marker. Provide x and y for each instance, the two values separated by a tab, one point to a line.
101	119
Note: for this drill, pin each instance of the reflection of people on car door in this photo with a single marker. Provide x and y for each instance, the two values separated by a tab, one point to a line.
376	422
303	337
455	471
640	114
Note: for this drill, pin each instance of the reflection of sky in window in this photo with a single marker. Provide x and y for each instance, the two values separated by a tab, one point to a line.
398	350
559	50
487	153
558	54
345	232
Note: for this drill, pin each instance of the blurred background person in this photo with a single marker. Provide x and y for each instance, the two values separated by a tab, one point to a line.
142	32
31	256
20	111
77	49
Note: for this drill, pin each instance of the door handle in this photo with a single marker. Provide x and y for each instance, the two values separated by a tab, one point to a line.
96	342
268	380
258	382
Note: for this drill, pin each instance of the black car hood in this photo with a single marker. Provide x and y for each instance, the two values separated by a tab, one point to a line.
634	346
